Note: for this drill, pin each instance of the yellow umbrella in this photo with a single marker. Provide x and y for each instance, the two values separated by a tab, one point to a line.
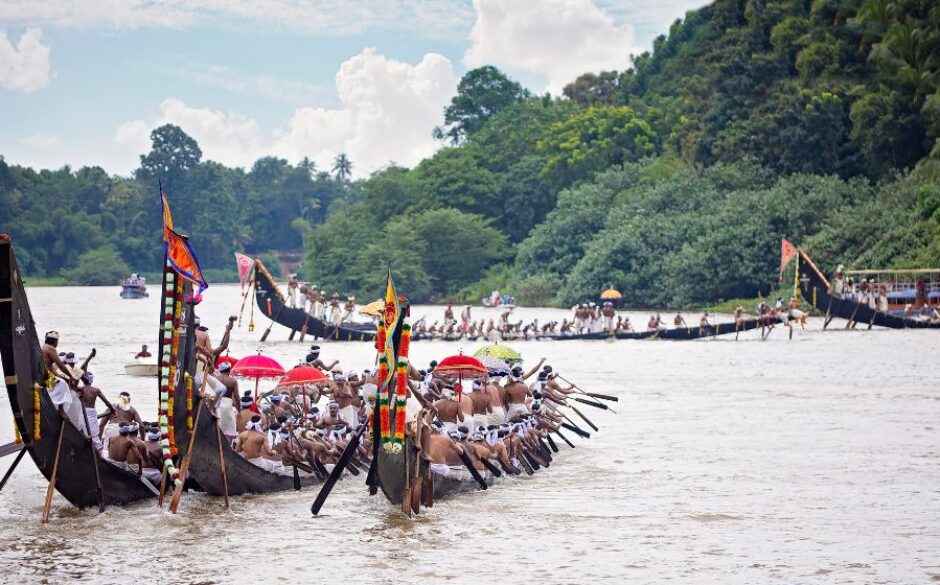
611	294
373	309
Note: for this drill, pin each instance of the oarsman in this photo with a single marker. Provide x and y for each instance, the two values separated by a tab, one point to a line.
206	354
89	396
246	412
153	456
679	321
609	312
335	310
517	395
444	452
313	359
225	405
123	413
739	314
566	329
703	322
332	417
448	410
292	289
504	326
480	405
143	353
252	444
349	309
59	379
123	448
465	319
347	399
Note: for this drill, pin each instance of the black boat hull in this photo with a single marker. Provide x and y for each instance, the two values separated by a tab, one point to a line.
392	473
816	290
271	302
23	367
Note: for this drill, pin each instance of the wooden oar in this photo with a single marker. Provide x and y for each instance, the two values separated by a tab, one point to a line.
578	412
591	403
851	322
564	438
264	337
591	394
94	458
218	442
341	464
163	477
184	466
551	443
472	469
574	429
10	449
55	474
492	468
16	461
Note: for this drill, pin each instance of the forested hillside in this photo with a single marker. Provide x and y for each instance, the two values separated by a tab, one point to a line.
673	180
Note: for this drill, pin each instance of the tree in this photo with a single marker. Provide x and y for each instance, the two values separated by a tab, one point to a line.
481	93
172	154
342	167
594	140
594	89
99	267
453	178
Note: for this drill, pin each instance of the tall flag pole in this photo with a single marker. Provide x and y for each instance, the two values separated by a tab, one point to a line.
179	253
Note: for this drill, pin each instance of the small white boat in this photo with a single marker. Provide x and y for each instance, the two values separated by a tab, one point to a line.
146	367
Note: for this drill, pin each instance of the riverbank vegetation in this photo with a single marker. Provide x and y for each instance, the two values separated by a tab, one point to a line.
673	180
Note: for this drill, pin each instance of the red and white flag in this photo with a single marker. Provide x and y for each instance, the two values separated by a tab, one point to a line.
244	267
787	252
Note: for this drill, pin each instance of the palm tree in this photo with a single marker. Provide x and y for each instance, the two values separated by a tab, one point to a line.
309	166
342	167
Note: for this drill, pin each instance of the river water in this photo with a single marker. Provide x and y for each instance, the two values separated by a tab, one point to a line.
812	460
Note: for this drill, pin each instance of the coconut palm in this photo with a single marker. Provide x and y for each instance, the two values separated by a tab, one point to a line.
342	166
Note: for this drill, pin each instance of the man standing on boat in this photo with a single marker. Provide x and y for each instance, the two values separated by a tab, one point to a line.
292	289
335	310
516	395
60	380
609	312
679	321
89	395
124	413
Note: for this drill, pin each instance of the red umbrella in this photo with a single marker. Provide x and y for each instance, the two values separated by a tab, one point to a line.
459	367
257	367
301	376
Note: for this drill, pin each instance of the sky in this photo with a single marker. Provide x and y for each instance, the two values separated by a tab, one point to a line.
83	82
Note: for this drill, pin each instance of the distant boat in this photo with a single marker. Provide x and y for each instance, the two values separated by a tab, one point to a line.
145	367
134	287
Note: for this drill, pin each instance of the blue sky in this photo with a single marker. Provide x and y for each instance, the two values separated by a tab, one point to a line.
84	82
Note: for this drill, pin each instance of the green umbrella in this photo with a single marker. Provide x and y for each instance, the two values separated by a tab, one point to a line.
503	352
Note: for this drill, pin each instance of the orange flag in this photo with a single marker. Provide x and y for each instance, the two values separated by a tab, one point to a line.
178	251
787	252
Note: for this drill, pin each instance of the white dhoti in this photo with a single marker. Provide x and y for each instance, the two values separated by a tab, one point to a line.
351	415
62	395
479	420
227	414
412	408
91	416
212	383
152	474
267	464
516	409
111	430
449	427
497	417
335	316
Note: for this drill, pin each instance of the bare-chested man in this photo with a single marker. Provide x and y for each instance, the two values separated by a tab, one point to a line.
449	411
481	405
89	396
245	413
153	456
123	448
59	379
517	393
313	359
124	412
252	444
497	402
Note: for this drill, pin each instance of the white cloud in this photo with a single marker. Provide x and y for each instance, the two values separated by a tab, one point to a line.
264	86
24	66
557	39
228	138
388	110
431	19
41	141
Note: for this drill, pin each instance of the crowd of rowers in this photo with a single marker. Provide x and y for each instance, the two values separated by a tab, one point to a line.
309	426
309	297
874	294
502	420
586	318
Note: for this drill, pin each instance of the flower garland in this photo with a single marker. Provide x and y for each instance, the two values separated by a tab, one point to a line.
37	417
16	433
189	400
169	343
401	387
385	420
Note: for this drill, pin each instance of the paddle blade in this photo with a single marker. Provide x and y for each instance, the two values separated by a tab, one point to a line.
337	471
